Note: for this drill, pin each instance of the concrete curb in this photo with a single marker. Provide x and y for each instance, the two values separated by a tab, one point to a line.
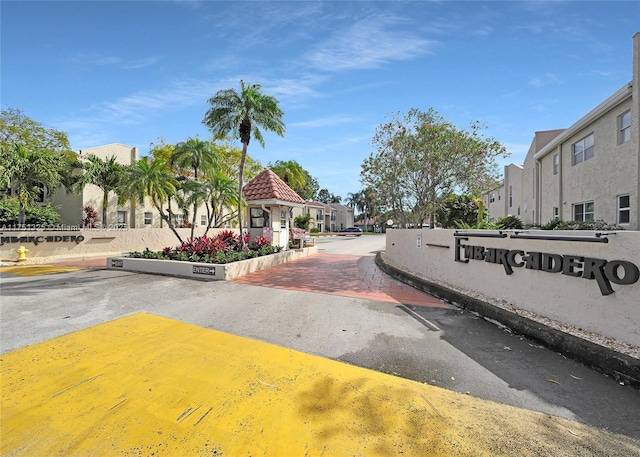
619	366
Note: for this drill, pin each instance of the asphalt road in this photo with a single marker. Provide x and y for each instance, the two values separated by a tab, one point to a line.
466	353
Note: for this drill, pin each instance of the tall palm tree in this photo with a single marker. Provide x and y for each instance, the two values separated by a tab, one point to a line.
29	172
242	114
153	180
107	174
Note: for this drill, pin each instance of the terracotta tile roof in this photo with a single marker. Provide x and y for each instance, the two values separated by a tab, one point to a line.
267	185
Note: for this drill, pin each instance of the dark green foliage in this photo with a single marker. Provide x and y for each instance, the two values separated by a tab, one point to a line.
302	221
456	210
226	247
558	224
509	222
35	215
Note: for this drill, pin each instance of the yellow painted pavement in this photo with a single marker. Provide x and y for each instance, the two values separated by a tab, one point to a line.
150	386
37	270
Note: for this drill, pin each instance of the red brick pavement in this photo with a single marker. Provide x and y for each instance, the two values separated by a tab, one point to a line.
334	274
344	275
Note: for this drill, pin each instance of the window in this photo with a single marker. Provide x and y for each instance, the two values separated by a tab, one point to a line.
259	218
319	215
624	127
624	209
283	219
583	150
148	218
498	195
556	164
583	212
492	198
510	196
556	212
122	219
203	219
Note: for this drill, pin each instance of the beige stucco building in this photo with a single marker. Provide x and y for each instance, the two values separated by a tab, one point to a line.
589	171
119	215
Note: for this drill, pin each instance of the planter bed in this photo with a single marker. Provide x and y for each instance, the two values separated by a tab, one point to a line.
207	271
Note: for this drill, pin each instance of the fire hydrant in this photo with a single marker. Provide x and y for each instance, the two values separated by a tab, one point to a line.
22	253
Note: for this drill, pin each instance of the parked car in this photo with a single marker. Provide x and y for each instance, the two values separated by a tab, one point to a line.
357	231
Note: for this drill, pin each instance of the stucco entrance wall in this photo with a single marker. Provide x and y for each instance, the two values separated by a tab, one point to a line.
47	245
565	296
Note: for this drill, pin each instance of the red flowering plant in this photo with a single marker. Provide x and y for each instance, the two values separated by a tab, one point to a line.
89	217
225	247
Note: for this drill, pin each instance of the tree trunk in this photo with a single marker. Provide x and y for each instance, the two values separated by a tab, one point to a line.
164	216
105	204
240	177
22	215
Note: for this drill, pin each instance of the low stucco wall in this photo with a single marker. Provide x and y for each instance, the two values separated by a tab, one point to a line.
45	246
207	271
564	296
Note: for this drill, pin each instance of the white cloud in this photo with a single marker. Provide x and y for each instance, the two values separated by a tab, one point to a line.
544	80
103	61
325	122
368	43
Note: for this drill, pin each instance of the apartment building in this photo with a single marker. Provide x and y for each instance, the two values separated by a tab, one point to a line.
589	171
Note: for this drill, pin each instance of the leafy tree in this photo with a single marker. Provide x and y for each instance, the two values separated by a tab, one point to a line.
296	177
242	113
153	179
422	158
18	128
310	189
509	222
107	174
456	210
326	197
34	215
29	173
34	160
290	172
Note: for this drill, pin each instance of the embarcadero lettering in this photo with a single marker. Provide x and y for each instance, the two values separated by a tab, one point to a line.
604	272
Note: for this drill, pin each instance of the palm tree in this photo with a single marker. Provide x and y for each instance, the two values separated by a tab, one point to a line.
107	174
154	180
193	156
29	172
222	194
243	114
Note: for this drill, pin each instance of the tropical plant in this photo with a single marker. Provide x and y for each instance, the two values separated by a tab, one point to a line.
509	222
225	247
89	217
303	221
107	174
155	180
40	215
30	173
242	114
290	172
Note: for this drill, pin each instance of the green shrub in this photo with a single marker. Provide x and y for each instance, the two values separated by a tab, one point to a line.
557	224
509	222
35	215
315	230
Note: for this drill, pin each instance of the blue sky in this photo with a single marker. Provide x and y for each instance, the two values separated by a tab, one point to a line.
131	72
